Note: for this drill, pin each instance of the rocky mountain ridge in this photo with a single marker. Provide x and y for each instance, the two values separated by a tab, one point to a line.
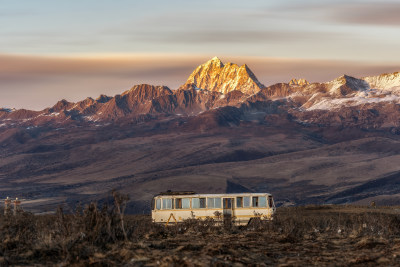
224	78
214	85
299	82
386	81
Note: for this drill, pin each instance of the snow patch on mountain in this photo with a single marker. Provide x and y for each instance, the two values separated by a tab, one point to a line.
349	91
387	81
346	84
337	103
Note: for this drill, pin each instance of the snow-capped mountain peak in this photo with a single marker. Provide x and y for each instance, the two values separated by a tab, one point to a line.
386	81
298	82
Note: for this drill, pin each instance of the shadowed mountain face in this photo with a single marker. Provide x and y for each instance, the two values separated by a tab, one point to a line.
222	131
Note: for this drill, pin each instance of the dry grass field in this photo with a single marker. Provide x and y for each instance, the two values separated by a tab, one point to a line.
298	236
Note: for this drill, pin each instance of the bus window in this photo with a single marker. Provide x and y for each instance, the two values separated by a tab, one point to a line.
262	201
198	203
185	203
210	203
239	202
202	203
217	202
255	201
167	204
213	202
195	203
158	204
246	202
178	203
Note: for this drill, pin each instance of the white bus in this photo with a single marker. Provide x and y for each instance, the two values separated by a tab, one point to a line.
242	207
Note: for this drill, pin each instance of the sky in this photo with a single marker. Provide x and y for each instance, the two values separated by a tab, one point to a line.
52	50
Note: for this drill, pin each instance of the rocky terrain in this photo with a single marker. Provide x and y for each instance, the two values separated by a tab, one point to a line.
221	131
299	82
306	236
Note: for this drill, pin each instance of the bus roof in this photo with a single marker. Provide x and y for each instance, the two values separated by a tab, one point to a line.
169	193
211	195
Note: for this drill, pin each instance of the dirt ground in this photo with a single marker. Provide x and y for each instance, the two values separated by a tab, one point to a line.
254	248
331	237
298	236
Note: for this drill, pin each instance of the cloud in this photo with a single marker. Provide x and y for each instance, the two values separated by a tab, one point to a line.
378	13
132	65
373	13
237	36
17	13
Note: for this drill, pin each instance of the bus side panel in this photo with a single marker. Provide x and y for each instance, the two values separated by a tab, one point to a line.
241	215
162	216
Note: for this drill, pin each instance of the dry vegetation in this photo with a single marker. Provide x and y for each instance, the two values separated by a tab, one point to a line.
103	236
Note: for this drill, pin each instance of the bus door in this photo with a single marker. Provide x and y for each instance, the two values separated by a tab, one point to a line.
227	209
271	203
